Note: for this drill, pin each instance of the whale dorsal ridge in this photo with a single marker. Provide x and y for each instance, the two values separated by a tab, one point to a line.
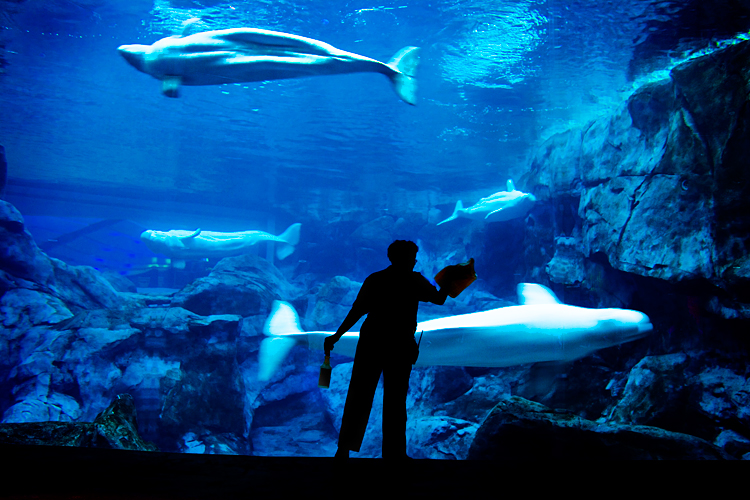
532	293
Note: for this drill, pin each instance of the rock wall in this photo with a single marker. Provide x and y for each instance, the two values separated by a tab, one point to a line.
660	187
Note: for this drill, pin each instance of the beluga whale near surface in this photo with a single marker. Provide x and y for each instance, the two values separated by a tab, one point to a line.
540	329
501	206
252	55
183	245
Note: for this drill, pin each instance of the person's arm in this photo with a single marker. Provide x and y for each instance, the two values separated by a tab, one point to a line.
431	294
349	321
440	297
356	312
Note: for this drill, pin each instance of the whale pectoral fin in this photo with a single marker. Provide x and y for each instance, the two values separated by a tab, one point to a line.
170	86
494	212
192	235
543	376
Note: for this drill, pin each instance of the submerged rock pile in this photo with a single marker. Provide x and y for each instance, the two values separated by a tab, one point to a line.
116	428
518	429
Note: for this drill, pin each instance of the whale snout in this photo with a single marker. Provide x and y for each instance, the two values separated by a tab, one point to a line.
638	323
644	325
134	55
622	325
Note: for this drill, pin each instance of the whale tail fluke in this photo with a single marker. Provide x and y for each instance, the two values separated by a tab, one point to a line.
456	212
288	240
282	322
405	63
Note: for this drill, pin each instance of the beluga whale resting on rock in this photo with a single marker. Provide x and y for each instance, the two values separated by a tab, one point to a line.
252	55
198	244
501	206
540	329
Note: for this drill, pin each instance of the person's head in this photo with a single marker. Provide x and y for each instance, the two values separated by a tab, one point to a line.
403	254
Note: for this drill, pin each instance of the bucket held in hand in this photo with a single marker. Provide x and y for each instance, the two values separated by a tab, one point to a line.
324	380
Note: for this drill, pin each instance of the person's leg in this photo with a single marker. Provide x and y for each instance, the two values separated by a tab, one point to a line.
395	388
362	386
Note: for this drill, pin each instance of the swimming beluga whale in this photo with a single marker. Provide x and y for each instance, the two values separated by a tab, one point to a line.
540	329
183	245
501	206
251	55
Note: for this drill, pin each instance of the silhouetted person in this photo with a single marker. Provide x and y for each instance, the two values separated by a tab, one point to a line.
386	345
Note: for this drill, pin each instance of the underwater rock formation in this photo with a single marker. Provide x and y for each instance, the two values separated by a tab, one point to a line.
687	24
245	285
518	429
26	270
683	392
116	427
72	342
333	302
659	187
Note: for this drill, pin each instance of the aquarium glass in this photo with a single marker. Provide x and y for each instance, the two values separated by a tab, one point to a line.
582	153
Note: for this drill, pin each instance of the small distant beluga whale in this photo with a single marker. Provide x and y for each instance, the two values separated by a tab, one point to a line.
501	206
184	245
540	329
252	55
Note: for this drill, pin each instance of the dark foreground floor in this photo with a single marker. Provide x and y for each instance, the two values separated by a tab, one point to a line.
51	472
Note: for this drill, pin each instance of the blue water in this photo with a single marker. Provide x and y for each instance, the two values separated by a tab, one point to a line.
96	155
88	137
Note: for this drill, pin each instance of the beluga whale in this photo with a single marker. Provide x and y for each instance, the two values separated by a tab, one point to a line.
501	206
539	329
184	245
239	55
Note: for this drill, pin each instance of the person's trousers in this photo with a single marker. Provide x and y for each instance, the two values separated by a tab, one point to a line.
366	372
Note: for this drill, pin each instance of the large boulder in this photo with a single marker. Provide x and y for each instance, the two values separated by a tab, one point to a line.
115	427
689	393
19	254
376	234
245	285
332	304
518	429
24	266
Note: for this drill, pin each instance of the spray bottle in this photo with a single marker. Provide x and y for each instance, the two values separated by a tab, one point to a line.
324	380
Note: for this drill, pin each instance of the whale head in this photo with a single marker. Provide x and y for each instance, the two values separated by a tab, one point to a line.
135	55
618	326
154	240
168	242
